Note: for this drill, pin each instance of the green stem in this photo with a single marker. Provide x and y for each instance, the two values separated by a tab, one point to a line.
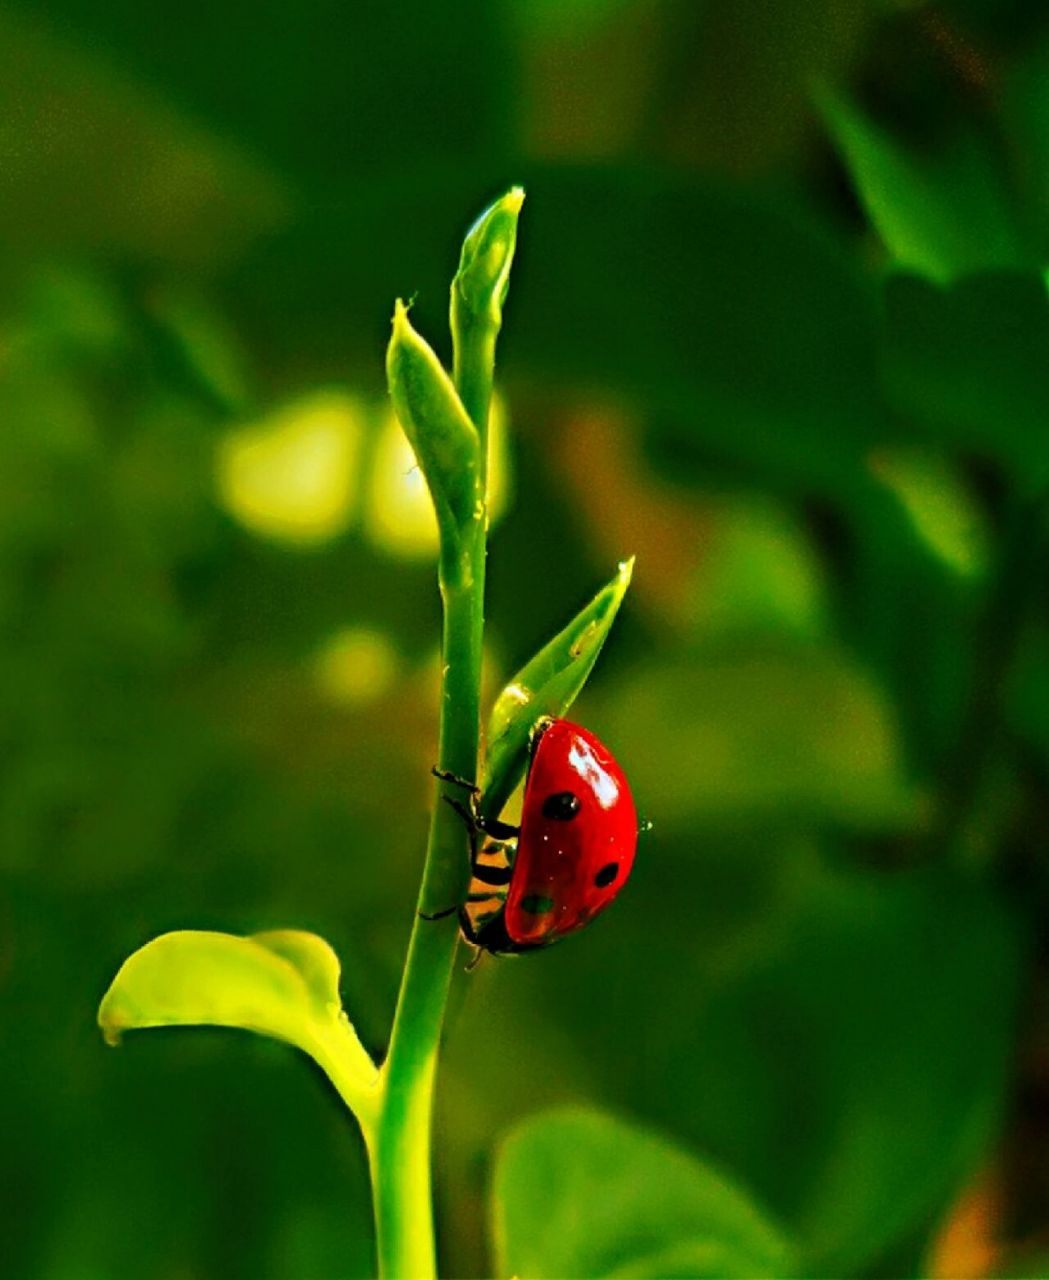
399	1149
339	1054
472	374
400	1157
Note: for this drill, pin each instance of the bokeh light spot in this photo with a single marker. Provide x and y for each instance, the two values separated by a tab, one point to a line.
355	665
293	475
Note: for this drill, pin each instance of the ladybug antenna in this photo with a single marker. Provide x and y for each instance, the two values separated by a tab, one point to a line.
645	826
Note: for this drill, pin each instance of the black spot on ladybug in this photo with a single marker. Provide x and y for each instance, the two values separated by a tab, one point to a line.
562	806
536	904
607	874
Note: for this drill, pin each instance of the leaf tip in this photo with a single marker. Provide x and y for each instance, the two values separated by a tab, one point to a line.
400	317
404	341
513	200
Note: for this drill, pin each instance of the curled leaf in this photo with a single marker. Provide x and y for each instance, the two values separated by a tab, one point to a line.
444	440
547	685
283	984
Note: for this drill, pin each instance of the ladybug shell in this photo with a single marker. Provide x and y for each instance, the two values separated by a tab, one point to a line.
578	837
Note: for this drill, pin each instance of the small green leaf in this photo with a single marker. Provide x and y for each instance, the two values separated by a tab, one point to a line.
283	984
443	438
941	216
577	1193
481	282
547	685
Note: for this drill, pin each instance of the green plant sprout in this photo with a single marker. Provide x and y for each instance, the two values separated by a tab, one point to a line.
285	983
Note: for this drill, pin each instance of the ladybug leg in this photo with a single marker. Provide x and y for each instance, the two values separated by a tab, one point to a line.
490	826
436	915
471	827
498	830
470	938
454	779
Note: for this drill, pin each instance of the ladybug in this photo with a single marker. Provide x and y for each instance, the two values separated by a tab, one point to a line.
535	884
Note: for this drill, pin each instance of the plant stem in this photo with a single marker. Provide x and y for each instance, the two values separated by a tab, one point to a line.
399	1152
472	374
400	1158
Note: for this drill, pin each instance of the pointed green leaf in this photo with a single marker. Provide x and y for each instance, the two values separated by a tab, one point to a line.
941	216
547	685
578	1193
283	984
443	438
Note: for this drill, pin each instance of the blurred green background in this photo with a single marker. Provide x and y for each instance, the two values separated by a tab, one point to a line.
779	326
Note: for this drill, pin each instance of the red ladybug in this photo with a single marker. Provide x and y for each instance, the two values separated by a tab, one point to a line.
535	884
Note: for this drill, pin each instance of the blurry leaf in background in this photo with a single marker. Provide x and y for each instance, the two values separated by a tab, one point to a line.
327	94
966	1245
295	476
203	346
763	365
590	74
561	17
718	87
944	513
861	1065
1023	105
148	180
798	732
734	92
580	1194
969	363
940	215
759	575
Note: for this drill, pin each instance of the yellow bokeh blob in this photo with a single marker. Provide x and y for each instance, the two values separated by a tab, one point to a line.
356	665
293	475
398	514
